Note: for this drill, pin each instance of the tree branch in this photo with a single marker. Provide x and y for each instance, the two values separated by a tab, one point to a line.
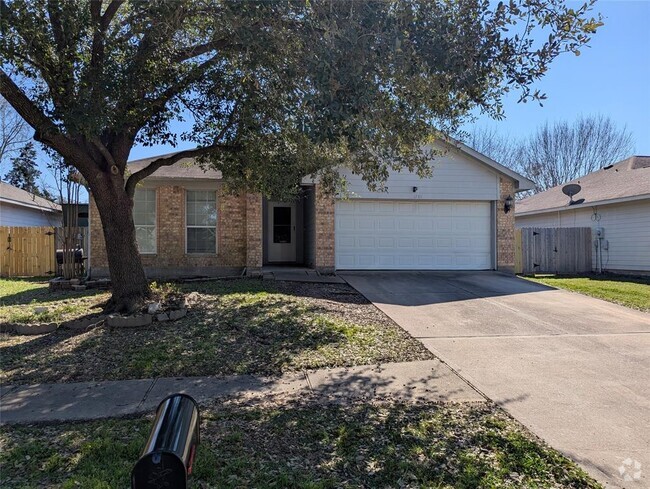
104	151
198	50
57	27
109	13
156	105
45	129
170	160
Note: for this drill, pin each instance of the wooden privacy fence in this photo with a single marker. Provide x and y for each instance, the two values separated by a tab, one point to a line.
553	250
27	251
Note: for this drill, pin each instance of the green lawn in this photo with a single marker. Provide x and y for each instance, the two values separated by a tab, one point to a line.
387	444
628	291
236	327
19	297
20	290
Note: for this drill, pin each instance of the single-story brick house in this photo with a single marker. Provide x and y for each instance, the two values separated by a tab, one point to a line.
456	220
614	200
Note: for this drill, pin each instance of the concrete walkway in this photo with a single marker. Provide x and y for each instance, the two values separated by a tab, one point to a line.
298	274
573	369
427	380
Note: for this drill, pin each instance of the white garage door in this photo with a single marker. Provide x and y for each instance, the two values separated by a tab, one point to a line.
412	235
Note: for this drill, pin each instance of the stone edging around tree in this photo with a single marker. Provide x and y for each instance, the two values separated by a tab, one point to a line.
112	321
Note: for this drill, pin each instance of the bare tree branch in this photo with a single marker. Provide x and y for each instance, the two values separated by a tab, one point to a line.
13	130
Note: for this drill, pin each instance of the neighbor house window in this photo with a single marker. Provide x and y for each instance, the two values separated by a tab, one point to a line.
144	217
201	219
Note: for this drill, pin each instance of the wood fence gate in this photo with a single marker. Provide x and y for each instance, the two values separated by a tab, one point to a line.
553	250
27	251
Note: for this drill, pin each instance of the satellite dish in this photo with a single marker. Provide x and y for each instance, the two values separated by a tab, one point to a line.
570	190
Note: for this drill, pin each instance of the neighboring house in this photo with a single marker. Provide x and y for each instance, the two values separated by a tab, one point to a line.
456	220
23	209
616	199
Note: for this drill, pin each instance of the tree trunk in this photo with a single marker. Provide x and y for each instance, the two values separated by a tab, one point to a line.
128	280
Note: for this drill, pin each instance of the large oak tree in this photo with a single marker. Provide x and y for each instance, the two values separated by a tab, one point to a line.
270	90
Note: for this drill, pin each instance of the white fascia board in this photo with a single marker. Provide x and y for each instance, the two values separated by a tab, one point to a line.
582	206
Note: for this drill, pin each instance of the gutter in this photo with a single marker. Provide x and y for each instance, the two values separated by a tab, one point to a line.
619	200
19	203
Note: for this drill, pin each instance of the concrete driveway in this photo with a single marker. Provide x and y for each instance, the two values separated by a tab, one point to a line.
573	369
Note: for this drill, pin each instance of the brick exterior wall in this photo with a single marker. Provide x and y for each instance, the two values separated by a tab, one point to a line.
254	230
98	257
505	228
170	258
324	256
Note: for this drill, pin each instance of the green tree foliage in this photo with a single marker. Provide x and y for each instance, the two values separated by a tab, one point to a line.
272	91
24	172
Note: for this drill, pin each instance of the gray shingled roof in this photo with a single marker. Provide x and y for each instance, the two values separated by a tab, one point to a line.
627	179
183	169
188	169
16	196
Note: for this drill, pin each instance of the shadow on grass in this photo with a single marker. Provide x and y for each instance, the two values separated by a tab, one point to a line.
236	327
44	296
306	445
236	335
390	445
33	345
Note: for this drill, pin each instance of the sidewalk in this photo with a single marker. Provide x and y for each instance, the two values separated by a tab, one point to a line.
427	380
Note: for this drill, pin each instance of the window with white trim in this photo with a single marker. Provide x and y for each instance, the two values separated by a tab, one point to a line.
201	221
144	218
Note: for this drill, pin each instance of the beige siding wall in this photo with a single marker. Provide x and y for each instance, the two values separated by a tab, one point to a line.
456	176
626	226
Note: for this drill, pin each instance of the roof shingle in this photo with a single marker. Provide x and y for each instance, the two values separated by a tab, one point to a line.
18	196
626	179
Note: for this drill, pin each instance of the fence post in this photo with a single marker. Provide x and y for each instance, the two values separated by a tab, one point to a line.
519	266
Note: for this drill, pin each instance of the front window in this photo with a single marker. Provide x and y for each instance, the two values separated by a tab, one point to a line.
144	218
201	219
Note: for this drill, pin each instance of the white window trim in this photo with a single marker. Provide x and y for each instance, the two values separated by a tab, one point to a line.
154	225
216	227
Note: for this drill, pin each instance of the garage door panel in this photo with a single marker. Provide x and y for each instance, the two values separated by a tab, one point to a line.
413	235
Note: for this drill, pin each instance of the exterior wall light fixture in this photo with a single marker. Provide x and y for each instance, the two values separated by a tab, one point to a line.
508	204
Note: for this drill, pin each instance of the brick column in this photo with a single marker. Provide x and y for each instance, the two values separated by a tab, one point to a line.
324	260
232	229
254	234
505	228
98	258
170	228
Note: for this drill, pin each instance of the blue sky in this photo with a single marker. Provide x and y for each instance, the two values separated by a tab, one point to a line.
611	77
